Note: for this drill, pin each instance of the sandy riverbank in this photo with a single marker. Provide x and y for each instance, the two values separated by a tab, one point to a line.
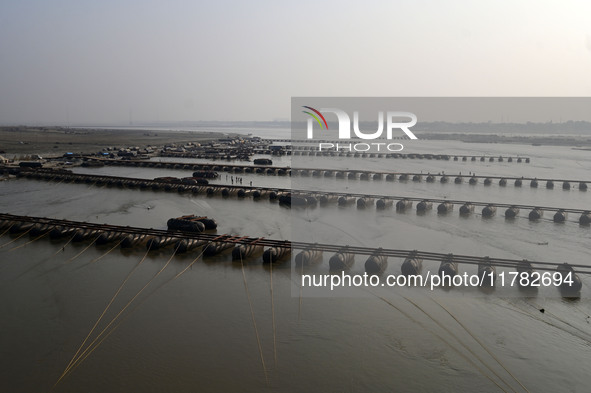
57	140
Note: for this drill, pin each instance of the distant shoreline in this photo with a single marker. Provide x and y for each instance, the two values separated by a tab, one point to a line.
535	140
51	140
16	140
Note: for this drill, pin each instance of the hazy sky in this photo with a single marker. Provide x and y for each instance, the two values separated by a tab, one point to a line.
99	61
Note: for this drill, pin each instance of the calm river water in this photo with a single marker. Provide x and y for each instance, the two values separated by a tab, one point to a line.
195	332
